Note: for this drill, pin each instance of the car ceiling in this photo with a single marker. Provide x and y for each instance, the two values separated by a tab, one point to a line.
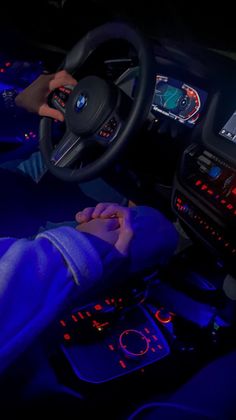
60	23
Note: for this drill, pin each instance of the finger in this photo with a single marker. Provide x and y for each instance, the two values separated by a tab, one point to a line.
99	209
47	111
64	75
126	232
112	210
63	80
124	240
84	215
111	224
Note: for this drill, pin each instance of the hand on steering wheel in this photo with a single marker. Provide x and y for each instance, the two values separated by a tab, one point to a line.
94	112
34	98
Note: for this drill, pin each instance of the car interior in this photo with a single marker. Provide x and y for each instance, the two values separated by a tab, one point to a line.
151	122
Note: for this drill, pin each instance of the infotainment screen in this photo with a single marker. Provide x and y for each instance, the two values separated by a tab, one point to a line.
229	129
178	100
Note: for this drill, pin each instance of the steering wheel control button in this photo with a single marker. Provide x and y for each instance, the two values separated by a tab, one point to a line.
109	129
133	343
59	97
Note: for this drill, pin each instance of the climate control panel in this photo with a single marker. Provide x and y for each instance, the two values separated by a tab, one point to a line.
215	234
212	179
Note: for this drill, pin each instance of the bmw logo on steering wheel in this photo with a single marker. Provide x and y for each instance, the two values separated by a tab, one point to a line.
81	102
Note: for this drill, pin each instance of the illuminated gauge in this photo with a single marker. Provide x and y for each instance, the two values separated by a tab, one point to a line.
189	104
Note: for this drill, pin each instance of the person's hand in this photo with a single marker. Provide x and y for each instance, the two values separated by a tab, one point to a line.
109	222
34	97
105	229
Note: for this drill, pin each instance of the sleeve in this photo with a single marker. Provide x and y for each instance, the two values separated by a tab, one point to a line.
38	279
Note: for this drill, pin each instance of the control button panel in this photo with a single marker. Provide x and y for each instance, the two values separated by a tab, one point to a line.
58	98
212	179
216	235
102	343
109	130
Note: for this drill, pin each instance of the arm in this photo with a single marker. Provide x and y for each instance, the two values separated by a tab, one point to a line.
154	237
40	278
37	280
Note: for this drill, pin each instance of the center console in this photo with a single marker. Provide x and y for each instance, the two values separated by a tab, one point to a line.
136	333
108	339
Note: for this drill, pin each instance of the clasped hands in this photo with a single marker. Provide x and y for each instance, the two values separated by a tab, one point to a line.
109	222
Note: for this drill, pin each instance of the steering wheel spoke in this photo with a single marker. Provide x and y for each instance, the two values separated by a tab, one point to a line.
68	150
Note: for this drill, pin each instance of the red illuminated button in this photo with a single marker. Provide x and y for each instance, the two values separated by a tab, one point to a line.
122	364
163	316
74	318
133	343
80	315
98	307
111	347
234	191
67	337
210	192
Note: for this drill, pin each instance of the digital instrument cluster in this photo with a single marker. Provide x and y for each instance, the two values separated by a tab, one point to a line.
178	100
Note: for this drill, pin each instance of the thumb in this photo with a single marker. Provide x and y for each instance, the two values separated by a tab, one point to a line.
126	234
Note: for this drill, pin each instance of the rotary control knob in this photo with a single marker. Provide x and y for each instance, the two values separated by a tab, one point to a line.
133	343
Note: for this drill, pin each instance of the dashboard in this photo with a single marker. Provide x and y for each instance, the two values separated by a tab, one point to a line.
193	134
204	186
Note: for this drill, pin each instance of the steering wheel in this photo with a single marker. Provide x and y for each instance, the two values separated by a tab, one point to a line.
96	110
